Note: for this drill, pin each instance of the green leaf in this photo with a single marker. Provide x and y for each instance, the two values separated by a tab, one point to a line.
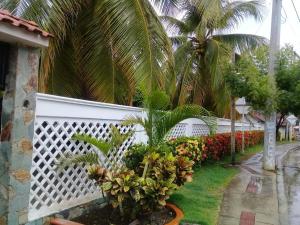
119	181
87	158
120	198
126	188
162	202
114	204
150	182
106	186
102	145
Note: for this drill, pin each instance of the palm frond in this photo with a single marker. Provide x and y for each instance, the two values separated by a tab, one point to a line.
185	79
141	43
236	12
138	120
115	141
167	6
126	36
169	119
241	42
81	159
8	5
178	40
101	145
117	138
175	25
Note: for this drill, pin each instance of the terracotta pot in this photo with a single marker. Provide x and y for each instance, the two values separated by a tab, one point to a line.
58	221
178	214
175	221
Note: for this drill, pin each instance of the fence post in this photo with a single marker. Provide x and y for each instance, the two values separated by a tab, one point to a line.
19	104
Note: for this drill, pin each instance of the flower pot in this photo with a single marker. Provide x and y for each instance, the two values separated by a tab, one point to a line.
58	221
178	214
175	221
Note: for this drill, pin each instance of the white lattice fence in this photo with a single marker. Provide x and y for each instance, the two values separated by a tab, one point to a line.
53	190
57	119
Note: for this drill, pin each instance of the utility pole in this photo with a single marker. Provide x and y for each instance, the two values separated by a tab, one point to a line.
270	124
232	118
232	135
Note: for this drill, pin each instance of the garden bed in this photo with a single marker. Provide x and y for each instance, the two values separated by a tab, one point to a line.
169	215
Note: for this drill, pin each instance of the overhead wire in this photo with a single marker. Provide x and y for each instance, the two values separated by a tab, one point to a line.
290	25
283	18
296	10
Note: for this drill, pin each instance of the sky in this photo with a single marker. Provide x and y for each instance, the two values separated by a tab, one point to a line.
290	25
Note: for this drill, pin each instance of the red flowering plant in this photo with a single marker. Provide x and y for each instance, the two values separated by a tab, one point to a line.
213	147
218	146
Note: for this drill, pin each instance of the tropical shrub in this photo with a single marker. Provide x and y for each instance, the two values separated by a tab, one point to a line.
212	147
218	146
135	155
192	148
160	180
184	170
123	189
97	173
151	172
135	192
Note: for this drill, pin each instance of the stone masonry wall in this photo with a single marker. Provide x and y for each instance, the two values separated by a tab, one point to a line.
16	135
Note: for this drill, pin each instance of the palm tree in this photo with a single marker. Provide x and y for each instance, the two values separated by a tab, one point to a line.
160	121
103	49
202	42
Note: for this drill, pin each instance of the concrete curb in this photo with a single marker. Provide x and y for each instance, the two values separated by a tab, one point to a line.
282	199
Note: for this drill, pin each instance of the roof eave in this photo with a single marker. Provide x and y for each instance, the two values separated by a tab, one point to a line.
12	34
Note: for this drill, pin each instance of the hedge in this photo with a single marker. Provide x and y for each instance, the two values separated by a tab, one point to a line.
213	147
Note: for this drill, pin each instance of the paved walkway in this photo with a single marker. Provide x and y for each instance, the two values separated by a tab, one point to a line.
251	198
291	177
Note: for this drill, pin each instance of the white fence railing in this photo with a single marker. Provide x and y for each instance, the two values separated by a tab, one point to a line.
57	119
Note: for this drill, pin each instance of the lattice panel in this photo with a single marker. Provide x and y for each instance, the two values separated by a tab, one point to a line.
178	131
52	189
199	130
224	128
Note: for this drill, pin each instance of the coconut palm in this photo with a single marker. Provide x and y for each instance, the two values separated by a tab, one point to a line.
202	42
102	50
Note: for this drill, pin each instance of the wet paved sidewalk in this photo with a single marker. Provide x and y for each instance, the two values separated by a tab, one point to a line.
291	175
251	198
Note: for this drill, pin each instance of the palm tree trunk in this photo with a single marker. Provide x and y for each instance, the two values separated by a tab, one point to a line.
232	115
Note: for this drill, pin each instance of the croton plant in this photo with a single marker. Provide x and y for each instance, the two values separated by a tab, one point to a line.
148	183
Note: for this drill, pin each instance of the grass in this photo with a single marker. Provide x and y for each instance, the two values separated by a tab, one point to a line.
201	199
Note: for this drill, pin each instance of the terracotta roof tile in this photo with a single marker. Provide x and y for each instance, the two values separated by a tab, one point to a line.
30	26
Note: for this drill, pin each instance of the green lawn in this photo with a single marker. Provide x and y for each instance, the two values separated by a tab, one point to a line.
201	199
